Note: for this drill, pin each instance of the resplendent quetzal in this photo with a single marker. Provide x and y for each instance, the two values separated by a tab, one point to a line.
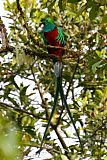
53	36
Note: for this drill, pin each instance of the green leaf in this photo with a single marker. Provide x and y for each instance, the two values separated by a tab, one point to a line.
26	120
105	158
23	37
99	53
73	1
51	5
83	8
32	12
60	4
99	93
64	157
97	38
90	3
23	90
13	101
7	5
23	96
95	66
104	19
94	11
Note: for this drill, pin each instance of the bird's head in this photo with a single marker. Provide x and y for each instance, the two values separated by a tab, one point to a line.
47	21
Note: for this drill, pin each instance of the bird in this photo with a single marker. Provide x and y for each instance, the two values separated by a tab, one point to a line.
53	35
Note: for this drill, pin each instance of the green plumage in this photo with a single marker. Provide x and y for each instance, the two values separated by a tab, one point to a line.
50	26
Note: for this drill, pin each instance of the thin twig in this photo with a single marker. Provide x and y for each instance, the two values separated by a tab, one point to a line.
40	93
5	105
71	81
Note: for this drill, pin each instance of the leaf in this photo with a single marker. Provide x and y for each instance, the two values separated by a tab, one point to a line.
99	93
83	8
15	84
23	37
64	157
51	5
94	11
99	53
32	12
90	3
23	90
105	158
60	4
95	66
104	19
23	96
73	1
7	5
26	120
30	130
97	38
13	101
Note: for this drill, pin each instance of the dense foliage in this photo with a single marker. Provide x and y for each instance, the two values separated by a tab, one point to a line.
27	80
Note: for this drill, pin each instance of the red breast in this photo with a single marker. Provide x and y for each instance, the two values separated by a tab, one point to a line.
51	38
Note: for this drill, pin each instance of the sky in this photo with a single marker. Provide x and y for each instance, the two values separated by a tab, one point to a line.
3	12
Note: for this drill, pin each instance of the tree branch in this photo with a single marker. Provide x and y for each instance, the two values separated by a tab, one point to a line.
3	33
4	105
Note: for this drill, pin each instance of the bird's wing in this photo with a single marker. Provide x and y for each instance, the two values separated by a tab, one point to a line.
60	36
44	38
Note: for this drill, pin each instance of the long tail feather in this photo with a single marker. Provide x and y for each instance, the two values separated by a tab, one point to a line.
52	112
68	110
